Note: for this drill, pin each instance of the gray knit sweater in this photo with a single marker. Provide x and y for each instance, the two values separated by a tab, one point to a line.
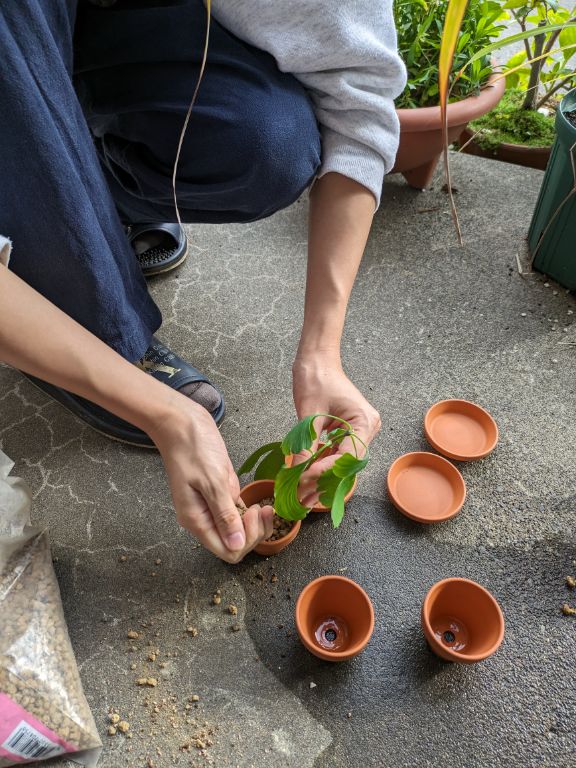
344	52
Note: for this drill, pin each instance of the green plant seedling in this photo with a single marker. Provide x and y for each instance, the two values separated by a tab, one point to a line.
333	484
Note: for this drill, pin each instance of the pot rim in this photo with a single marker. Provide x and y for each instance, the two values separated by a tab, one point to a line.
417	119
411	515
460	456
322	652
429	632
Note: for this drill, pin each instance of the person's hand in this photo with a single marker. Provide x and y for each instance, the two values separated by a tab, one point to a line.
204	486
320	386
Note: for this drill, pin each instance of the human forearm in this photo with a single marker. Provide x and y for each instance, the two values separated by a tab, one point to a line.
341	212
39	339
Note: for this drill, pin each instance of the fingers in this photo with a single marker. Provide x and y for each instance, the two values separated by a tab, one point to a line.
224	513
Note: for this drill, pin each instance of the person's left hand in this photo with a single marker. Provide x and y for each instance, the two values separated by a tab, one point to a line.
320	385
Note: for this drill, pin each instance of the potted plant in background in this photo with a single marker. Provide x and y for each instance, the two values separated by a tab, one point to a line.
521	128
276	479
419	25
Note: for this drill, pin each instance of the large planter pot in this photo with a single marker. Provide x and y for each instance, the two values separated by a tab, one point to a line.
529	157
421	132
552	235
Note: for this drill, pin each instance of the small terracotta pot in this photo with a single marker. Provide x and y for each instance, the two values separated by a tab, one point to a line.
334	618
421	141
253	493
460	430
462	621
529	157
320	507
425	487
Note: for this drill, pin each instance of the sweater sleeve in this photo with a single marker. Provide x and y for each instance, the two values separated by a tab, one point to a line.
345	54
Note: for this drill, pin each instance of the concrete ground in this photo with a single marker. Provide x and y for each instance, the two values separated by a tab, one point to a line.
428	320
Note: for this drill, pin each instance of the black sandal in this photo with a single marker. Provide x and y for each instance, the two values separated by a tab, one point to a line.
160	258
159	362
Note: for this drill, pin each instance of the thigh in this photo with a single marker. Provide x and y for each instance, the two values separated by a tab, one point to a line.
252	143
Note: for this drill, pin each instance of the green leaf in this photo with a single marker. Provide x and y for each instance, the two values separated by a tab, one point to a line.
348	465
517	37
253	458
326	486
286	502
300	437
344	487
270	464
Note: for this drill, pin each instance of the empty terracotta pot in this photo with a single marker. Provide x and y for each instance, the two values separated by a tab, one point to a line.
253	493
460	430
462	621
320	507
425	487
334	618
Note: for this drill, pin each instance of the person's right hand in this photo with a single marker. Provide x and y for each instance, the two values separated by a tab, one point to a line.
203	483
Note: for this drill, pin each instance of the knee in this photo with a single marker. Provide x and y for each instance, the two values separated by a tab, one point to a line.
284	143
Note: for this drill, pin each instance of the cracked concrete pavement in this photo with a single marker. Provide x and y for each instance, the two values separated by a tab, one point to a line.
428	320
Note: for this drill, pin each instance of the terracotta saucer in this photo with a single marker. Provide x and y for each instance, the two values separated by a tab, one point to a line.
460	430
426	487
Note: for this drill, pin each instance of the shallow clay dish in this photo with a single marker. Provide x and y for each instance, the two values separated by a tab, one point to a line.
426	487
460	430
334	618
462	621
253	493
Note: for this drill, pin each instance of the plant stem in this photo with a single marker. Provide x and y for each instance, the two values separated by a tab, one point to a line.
552	91
535	69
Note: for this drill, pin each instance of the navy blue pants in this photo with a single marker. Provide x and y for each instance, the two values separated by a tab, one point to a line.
92	102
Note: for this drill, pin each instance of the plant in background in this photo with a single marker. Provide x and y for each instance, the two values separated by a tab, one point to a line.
546	65
420	24
536	77
332	485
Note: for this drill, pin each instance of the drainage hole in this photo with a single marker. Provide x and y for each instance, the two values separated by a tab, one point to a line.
330	635
448	637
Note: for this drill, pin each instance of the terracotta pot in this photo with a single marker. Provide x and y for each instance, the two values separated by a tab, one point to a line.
334	618
462	621
253	493
425	487
421	142
320	507
460	430
529	157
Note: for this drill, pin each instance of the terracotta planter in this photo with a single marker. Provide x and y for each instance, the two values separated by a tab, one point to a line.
460	430
462	622
320	507
334	618
425	487
421	132
529	157
253	493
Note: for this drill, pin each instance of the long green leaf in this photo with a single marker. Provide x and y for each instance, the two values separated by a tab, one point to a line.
515	38
250	462
337	512
300	437
270	464
286	502
452	26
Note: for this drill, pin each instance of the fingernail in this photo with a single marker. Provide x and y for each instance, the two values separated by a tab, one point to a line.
236	541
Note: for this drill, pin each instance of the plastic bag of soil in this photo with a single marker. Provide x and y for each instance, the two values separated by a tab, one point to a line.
43	711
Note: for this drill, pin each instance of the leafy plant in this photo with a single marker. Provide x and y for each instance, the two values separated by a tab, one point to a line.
546	65
419	26
333	484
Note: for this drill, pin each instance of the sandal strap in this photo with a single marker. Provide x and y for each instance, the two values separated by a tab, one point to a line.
169	368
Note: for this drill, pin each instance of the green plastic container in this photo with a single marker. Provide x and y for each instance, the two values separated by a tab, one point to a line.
556	254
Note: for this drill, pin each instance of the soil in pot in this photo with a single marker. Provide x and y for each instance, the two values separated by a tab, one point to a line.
285	531
512	134
571	117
